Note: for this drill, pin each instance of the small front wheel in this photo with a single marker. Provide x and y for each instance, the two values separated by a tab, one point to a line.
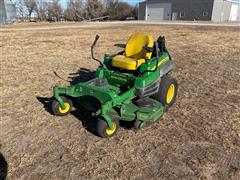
103	129
58	111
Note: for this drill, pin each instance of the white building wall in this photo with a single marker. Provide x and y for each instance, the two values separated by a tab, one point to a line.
224	10
235	13
217	10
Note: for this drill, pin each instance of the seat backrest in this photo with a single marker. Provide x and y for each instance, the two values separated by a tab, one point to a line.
134	48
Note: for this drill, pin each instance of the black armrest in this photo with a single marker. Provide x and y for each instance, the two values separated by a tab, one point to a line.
121	52
120	45
149	49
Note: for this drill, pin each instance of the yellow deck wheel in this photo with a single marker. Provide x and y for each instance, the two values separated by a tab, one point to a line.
58	111
103	129
66	109
170	93
110	131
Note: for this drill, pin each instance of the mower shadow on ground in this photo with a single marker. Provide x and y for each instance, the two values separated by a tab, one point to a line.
3	167
82	75
88	122
46	101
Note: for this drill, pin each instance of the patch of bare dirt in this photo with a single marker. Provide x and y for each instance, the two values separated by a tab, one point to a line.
198	138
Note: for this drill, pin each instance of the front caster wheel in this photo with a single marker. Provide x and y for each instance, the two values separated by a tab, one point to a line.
104	131
58	111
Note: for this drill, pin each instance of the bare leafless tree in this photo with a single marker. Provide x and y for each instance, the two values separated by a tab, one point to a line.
54	10
74	11
94	8
119	10
41	9
21	9
31	6
134	11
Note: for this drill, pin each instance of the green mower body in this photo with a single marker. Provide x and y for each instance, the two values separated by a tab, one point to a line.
115	94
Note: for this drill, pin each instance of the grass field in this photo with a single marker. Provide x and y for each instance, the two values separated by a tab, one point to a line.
198	138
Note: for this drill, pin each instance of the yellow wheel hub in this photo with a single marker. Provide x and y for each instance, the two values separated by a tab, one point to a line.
110	131
170	93
66	109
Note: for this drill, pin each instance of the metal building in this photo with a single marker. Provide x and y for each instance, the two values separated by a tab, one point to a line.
216	10
224	10
8	12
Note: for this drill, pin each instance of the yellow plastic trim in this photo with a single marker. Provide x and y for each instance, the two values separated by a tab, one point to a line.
66	109
126	63
170	93
110	131
161	62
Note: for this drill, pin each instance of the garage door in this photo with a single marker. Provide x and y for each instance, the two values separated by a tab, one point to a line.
159	11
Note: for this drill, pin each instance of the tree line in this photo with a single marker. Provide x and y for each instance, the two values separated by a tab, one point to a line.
75	10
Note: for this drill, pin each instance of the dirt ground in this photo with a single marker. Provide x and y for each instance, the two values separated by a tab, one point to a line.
198	138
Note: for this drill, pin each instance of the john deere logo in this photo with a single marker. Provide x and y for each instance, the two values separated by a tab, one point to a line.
161	62
144	116
119	78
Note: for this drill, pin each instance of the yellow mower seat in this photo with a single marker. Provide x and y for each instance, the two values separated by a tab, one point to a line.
135	55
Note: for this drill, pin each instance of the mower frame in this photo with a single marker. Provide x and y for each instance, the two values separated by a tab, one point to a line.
114	94
110	95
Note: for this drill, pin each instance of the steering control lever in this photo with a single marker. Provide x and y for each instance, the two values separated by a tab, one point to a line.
92	54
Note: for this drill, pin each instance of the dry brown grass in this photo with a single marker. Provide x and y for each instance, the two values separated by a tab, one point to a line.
198	138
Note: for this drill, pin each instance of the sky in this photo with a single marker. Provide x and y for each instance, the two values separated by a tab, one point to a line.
238	1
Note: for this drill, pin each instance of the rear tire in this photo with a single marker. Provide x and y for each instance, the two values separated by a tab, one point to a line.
104	131
58	111
167	91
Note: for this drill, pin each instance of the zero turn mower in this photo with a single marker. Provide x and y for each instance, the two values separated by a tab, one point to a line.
132	85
